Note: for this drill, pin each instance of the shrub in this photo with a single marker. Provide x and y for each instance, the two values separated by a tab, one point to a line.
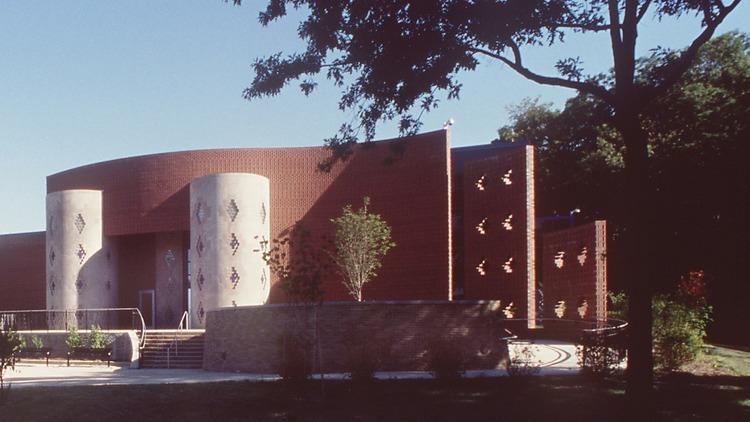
678	331
445	360
10	345
73	339
618	305
600	355
97	339
522	362
37	342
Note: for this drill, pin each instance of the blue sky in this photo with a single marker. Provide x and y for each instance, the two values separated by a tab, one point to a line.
88	81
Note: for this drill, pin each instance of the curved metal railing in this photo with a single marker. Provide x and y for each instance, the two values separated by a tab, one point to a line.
107	319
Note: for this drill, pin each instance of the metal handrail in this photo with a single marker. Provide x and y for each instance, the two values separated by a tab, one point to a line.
183	323
12	315
607	327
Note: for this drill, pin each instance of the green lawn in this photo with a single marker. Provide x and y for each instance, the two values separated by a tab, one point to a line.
681	397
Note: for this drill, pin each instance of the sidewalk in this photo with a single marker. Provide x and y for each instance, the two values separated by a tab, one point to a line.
554	358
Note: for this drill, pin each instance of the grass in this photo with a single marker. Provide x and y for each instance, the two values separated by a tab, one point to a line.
711	396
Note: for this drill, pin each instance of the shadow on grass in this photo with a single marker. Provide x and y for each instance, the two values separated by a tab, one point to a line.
510	399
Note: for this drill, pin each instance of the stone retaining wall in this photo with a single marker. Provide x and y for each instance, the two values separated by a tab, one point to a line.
400	336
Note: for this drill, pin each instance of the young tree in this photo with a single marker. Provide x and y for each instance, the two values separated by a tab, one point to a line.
10	344
394	56
362	240
298	263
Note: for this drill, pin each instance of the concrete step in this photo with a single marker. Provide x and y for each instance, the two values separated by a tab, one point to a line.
173	349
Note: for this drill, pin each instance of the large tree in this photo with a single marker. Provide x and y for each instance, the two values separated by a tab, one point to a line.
698	140
392	57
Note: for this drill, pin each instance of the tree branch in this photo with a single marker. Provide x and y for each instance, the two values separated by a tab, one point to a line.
674	70
644	9
516	65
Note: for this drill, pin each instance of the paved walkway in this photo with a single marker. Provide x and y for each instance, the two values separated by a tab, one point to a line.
554	358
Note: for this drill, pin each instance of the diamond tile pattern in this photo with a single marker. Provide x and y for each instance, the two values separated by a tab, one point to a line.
234	243
80	223
233	210
81	254
234	278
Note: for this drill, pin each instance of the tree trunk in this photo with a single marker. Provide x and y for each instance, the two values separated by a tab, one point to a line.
636	238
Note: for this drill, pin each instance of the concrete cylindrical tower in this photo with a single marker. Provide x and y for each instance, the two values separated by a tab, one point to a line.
81	263
229	231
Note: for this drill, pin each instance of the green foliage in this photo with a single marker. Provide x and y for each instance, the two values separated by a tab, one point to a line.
679	329
697	134
396	59
97	339
37	342
362	240
600	355
73	339
679	325
299	264
10	345
618	305
522	361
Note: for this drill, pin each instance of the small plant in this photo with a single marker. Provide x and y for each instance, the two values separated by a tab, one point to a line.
523	361
599	356
73	339
10	345
97	339
37	342
445	360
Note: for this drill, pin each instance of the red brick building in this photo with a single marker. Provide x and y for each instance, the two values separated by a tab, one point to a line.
462	220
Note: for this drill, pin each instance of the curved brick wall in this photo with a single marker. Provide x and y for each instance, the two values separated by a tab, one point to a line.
150	194
399	334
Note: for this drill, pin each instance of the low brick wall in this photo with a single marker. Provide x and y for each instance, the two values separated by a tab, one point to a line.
400	335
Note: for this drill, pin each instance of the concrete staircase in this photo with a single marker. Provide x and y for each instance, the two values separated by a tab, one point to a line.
177	349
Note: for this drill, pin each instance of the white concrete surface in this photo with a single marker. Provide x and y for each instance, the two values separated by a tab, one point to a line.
553	358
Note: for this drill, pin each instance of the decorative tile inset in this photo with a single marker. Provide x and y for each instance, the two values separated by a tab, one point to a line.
263	279
234	278
507	181
199	246
80	284
52	284
508	222
560	309
480	183
583	308
233	210
263	213
582	255
80	223
234	243
169	258
481	268
200	312
81	254
200	213
200	279
508	265
51	257
481	226
560	259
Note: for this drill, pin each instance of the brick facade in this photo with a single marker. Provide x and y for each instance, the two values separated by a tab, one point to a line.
498	229
574	272
401	335
22	280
